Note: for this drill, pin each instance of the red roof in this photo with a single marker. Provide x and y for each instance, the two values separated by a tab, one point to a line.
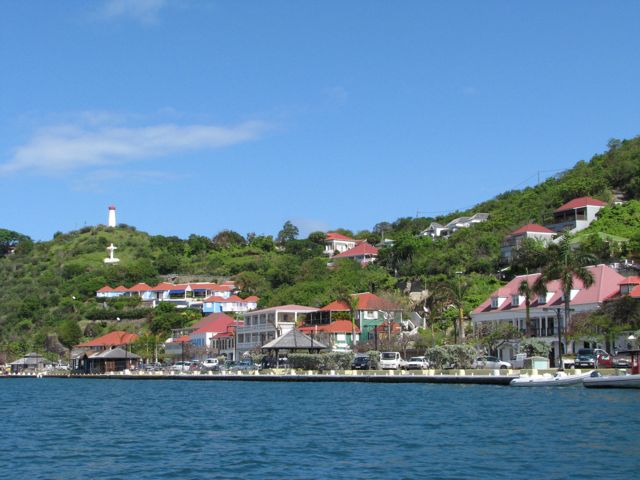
140	287
162	286
252	298
121	288
581	202
214	298
366	301
338	236
339	326
532	227
106	288
635	293
384	328
217	318
358	251
111	339
606	283
221	288
182	339
634	280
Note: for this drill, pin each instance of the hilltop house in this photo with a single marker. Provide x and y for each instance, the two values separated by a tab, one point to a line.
576	215
507	305
262	326
513	241
336	242
185	295
362	252
435	229
230	304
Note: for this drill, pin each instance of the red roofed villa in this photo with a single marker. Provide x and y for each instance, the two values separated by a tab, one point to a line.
507	305
577	214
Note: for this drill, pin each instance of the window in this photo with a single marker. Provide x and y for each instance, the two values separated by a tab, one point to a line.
494	302
515	300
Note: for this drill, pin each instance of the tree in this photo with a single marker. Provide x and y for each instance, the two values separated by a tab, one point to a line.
456	292
227	239
566	265
493	336
9	240
289	232
528	292
69	333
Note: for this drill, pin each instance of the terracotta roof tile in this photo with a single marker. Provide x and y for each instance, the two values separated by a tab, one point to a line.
581	202
111	339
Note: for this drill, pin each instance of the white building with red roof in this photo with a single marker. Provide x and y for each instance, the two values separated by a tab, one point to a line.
576	214
183	295
507	305
362	252
532	230
262	326
215	333
336	242
233	303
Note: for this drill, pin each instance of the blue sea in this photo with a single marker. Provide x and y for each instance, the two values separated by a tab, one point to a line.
114	429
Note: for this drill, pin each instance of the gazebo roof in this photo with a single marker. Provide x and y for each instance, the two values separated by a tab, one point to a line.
114	354
294	340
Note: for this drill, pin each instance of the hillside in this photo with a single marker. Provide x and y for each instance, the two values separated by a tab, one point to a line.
46	283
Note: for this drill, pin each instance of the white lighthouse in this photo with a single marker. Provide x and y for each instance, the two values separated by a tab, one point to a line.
112	216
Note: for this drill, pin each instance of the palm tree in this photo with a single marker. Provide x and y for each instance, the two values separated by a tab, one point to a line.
353	301
456	291
565	264
528	292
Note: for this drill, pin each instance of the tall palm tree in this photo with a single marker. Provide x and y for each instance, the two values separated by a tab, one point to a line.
528	292
456	291
566	264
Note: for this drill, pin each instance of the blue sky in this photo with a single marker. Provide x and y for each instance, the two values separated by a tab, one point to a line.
197	116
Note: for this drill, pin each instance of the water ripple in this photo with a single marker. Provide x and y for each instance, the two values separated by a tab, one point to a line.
71	429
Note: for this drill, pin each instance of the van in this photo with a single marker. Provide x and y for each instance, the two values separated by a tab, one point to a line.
391	361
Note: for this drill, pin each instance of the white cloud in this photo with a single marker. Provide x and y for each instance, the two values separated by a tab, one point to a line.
66	148
145	11
104	180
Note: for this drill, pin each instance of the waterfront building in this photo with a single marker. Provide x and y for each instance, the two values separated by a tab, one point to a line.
371	311
506	304
262	326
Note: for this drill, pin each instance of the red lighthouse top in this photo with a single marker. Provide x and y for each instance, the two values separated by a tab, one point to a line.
112	207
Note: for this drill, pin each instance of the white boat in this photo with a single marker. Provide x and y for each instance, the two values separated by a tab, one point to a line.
558	379
613	381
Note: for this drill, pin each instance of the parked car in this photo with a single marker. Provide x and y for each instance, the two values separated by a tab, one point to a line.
361	362
593	358
490	362
622	361
272	362
391	361
417	363
181	366
243	365
211	364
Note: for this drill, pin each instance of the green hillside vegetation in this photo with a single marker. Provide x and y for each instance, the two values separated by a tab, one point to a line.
49	287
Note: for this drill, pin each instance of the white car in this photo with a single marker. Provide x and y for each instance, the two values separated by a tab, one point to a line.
210	364
490	362
417	363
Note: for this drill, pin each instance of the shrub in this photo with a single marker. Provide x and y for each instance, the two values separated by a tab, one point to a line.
446	356
321	361
534	347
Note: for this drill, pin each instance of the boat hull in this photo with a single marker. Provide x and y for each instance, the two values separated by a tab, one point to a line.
560	379
620	381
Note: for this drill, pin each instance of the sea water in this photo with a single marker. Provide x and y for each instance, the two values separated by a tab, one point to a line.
115	429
